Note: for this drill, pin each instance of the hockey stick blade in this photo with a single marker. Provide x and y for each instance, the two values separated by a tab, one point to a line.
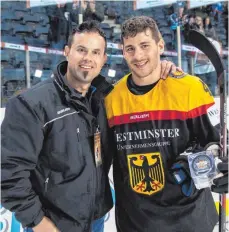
201	42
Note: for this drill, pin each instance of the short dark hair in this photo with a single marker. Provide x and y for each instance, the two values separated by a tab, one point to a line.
87	26
131	27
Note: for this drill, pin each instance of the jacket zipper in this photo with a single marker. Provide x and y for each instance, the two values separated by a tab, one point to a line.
78	133
46	184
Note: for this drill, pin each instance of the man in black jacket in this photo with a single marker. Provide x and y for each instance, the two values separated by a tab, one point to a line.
51	177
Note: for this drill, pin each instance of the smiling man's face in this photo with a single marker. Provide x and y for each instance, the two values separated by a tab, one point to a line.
86	56
142	54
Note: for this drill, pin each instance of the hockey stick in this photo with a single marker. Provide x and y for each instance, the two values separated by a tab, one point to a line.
203	44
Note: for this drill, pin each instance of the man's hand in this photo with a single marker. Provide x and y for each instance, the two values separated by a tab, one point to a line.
220	184
168	67
46	225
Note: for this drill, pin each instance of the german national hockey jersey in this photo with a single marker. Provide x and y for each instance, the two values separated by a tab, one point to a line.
150	131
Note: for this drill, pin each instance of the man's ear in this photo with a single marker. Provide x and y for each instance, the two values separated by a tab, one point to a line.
105	58
161	45
66	51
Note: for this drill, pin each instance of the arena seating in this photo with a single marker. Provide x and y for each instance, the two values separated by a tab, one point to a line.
31	26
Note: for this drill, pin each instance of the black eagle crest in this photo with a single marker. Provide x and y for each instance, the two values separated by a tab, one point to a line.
146	173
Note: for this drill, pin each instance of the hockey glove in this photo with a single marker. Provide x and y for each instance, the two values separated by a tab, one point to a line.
220	184
181	172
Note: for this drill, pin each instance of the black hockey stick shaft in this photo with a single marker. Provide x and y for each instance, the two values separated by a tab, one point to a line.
203	44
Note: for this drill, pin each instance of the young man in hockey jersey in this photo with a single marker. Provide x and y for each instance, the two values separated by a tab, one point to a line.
154	121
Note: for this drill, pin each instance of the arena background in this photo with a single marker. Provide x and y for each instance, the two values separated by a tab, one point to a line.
33	35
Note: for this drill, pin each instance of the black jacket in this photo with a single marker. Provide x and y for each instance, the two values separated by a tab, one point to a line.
59	25
48	166
98	15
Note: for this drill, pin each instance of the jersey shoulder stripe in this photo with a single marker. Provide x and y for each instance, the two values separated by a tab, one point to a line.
170	99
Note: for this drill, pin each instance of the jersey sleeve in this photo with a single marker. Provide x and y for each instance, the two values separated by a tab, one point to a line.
203	116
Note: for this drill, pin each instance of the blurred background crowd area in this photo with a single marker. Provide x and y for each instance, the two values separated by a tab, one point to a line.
34	33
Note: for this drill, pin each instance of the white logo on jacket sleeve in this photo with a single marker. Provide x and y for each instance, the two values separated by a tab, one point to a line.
63	110
213	115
